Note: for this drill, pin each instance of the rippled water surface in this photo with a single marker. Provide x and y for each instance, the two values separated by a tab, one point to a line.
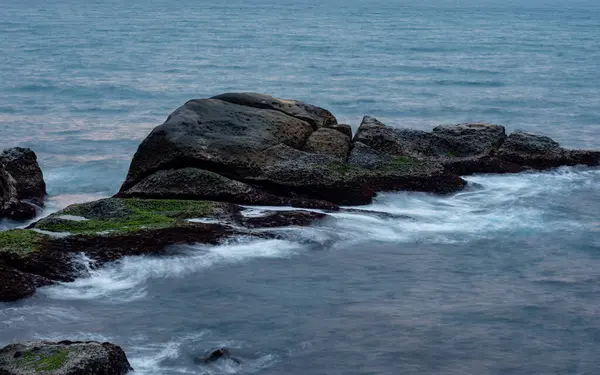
502	278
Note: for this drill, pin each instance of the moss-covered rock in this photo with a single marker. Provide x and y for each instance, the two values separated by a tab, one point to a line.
21	242
63	358
109	229
116	215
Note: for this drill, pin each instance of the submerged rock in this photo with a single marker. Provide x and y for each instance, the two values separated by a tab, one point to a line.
63	358
220	354
22	186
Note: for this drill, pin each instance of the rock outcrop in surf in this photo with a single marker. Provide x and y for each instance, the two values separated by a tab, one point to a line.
190	174
260	150
255	149
64	358
22	186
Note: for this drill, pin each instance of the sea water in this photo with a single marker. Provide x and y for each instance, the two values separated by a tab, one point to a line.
501	278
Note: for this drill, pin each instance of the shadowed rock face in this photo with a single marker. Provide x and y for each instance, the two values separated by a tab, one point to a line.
22	185
63	358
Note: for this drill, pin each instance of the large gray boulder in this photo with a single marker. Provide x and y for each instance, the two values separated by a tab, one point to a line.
255	149
216	135
22	186
63	358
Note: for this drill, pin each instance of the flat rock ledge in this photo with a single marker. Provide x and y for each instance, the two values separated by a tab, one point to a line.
109	229
250	148
63	358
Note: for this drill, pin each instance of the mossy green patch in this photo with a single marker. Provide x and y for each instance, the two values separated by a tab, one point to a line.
171	207
42	361
20	241
451	154
133	215
404	162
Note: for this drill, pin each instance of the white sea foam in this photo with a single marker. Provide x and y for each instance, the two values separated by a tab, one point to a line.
125	280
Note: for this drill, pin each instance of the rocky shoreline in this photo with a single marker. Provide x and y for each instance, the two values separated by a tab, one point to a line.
190	176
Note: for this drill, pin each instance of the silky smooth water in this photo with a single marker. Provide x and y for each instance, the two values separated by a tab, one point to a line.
502	278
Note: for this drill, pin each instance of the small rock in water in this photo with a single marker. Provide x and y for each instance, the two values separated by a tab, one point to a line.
222	353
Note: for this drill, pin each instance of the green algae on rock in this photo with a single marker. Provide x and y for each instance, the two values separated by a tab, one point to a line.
21	241
117	215
109	229
63	358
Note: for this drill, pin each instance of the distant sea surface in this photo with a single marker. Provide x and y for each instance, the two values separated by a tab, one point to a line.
502	278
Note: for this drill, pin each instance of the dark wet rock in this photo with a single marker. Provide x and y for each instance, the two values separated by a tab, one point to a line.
445	142
541	152
63	358
217	136
330	142
220	354
23	166
22	185
109	229
15	285
316	116
343	128
274	219
341	183
253	149
466	149
200	184
10	205
470	140
367	157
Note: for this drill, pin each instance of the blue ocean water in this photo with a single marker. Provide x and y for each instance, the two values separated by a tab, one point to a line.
502	278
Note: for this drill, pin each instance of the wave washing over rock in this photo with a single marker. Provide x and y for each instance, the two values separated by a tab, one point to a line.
232	178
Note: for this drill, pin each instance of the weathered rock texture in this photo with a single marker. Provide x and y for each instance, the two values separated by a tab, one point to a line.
22	186
252	148
471	148
63	358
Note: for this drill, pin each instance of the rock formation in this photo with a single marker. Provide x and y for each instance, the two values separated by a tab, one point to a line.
63	358
22	186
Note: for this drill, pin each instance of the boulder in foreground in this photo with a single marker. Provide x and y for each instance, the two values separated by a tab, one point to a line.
63	358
